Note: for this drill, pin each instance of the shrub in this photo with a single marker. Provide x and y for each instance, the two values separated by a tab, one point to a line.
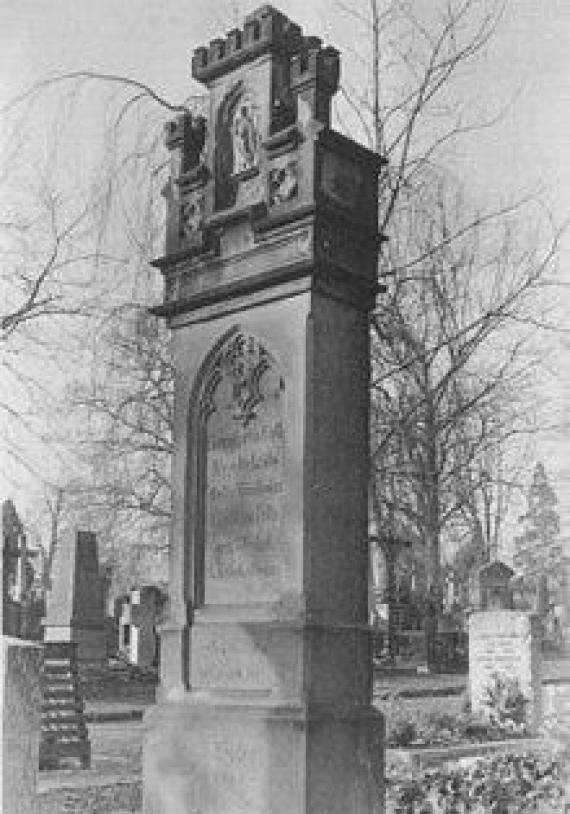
443	729
500	784
400	731
505	703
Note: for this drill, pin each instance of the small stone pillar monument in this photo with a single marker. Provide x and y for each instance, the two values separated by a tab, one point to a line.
270	271
504	643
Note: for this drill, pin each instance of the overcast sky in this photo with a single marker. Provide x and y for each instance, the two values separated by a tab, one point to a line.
527	65
152	40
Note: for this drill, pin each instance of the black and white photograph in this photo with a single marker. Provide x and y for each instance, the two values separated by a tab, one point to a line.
284	406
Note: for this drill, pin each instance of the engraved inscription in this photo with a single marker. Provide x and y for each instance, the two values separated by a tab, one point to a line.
245	478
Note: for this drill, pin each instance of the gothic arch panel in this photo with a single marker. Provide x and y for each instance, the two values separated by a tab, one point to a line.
240	477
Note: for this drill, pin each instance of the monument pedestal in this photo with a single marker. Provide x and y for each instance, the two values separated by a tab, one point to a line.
270	272
213	754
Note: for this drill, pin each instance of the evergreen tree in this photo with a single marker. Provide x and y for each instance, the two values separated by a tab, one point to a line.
538	551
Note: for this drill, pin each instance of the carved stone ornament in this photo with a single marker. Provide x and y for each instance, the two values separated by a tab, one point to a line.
283	183
237	144
192	215
195	143
245	136
240	364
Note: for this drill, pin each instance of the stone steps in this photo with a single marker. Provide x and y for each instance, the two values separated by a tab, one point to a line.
64	733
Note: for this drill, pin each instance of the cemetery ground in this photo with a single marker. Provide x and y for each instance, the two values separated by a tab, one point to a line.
427	751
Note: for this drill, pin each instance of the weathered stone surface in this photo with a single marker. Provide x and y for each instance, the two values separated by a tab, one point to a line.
21	706
245	499
506	642
211	755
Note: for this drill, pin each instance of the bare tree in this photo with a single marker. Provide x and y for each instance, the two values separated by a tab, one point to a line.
449	305
76	233
413	108
125	417
454	350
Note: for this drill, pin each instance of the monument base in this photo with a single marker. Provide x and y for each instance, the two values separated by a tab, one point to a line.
224	755
91	641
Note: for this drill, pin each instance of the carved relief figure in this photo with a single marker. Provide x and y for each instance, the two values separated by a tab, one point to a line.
192	215
245	136
237	144
283	183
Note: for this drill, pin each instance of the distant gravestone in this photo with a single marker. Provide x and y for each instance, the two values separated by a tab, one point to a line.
506	643
495	591
138	619
75	609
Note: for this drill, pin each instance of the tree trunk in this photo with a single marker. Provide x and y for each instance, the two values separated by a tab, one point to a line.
433	570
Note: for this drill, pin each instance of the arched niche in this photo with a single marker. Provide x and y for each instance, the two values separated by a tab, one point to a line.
238	475
237	144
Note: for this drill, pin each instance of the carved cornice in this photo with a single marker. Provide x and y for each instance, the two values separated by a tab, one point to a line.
284	141
236	288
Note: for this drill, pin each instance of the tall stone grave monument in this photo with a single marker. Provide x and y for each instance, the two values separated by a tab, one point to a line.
75	606
270	271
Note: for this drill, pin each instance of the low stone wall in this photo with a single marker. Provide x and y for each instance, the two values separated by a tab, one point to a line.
426	756
21	664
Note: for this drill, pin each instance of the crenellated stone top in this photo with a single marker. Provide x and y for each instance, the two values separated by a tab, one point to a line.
266	159
265	30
